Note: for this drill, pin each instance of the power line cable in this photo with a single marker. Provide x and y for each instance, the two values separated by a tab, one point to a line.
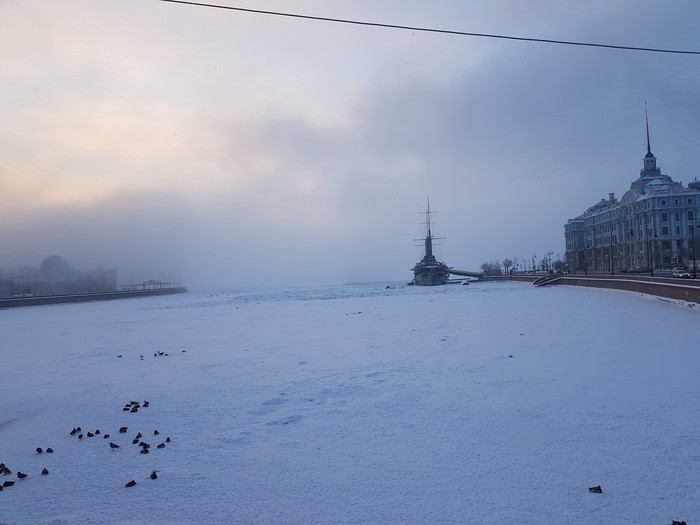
433	30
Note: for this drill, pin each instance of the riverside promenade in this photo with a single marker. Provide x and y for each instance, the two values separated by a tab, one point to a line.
669	287
85	297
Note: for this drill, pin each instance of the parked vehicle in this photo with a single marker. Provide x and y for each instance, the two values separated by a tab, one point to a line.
679	272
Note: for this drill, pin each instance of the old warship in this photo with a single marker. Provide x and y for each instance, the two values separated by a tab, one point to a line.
429	271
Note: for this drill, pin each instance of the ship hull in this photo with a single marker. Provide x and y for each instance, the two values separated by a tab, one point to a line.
430	277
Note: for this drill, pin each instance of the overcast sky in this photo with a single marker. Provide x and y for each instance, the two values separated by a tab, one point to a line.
234	149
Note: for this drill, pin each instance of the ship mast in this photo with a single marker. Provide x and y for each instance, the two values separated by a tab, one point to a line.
428	237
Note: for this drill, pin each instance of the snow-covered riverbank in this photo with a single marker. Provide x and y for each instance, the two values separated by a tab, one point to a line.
488	403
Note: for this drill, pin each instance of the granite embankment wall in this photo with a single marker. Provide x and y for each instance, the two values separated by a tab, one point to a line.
79	298
683	289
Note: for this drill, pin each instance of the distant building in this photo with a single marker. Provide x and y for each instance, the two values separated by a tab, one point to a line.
56	277
652	227
5	287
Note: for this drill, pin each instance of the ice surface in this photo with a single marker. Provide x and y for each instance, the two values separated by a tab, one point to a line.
355	404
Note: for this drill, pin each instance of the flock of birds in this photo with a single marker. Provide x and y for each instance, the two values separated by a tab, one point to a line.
143	446
155	354
5	471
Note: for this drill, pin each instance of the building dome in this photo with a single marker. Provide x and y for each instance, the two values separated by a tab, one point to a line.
55	267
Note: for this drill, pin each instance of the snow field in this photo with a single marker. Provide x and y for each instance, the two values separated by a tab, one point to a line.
356	405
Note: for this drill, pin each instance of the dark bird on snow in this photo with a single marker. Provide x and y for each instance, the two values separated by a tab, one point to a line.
132	403
167	439
144	445
80	436
162	445
38	450
126	409
596	490
135	441
155	432
21	475
113	445
154	475
49	450
130	484
78	429
119	356
97	431
4	470
105	436
122	430
72	432
8	483
44	472
674	522
139	435
1	487
144	451
145	404
90	435
134	409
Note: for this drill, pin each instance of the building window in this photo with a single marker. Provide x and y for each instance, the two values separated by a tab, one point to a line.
664	217
678	230
676	216
690	201
663	203
664	230
675	202
690	215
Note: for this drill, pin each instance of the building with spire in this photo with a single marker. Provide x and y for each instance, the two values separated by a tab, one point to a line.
652	227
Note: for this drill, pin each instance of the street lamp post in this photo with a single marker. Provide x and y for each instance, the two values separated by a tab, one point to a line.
633	259
695	270
652	252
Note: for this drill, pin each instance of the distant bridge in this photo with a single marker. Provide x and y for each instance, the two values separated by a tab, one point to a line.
464	273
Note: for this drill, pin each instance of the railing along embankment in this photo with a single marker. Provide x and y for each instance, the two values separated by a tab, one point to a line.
85	297
684	290
523	277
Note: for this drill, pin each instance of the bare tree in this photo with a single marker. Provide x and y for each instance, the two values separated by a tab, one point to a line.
491	268
507	264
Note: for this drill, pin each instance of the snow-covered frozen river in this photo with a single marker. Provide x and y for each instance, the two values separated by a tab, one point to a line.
488	403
